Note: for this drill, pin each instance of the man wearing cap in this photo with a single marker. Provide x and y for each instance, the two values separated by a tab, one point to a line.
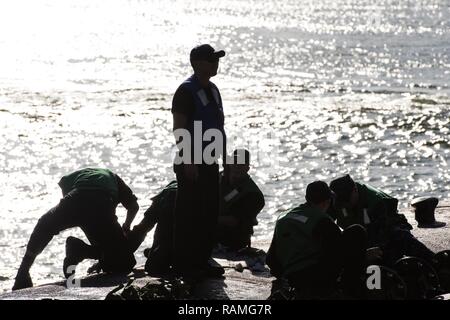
241	201
90	198
359	203
197	109
310	251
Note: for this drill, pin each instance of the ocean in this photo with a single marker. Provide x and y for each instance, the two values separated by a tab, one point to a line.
315	89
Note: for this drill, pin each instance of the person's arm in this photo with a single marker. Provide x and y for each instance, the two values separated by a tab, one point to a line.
129	201
225	158
182	109
180	121
131	214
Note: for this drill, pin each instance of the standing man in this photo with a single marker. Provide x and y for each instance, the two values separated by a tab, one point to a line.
197	111
241	202
90	198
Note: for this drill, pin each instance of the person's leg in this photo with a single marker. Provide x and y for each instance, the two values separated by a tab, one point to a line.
187	227
114	253
159	258
209	180
403	243
105	234
235	238
57	219
76	251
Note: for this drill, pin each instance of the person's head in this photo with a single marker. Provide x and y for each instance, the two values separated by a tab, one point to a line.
205	60
238	165
346	192
319	195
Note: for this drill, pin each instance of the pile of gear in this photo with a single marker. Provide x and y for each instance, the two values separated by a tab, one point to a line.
249	258
174	289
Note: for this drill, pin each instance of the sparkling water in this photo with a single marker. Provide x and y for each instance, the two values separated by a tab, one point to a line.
315	89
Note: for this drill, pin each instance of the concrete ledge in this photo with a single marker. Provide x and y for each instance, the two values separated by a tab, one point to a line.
236	285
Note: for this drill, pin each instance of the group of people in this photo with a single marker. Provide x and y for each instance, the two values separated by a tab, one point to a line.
332	235
90	199
341	229
188	211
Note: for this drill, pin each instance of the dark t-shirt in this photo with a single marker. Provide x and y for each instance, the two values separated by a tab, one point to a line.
99	179
183	101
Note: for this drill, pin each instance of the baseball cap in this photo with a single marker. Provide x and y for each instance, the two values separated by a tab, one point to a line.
205	52
343	188
317	192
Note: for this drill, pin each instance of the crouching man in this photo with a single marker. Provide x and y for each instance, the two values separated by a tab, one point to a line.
377	212
311	252
90	198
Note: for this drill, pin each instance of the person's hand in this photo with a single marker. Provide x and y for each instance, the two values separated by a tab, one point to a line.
228	221
374	254
191	172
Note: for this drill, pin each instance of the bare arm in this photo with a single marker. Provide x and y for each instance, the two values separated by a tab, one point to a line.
180	121
129	201
132	210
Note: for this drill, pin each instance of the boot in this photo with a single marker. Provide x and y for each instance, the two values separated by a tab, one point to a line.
23	280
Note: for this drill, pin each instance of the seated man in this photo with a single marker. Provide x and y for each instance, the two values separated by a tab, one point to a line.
90	198
241	202
310	251
358	203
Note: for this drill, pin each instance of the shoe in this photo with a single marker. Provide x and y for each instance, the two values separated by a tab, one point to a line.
156	266
74	255
95	268
23	280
